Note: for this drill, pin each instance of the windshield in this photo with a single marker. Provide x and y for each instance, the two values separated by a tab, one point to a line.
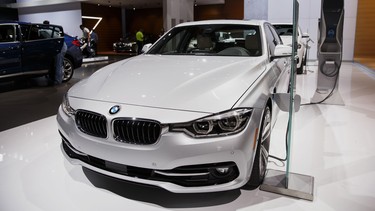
211	40
284	30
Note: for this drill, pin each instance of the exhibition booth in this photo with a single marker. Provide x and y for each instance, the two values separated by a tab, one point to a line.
210	116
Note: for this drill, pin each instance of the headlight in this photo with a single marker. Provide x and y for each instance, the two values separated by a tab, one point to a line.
226	123
68	110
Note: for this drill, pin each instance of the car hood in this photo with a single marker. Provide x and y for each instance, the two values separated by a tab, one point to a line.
288	40
192	83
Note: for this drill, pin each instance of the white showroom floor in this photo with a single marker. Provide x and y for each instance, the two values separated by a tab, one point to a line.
334	144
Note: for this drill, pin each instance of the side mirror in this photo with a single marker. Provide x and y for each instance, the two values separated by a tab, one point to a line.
305	35
283	101
282	51
146	47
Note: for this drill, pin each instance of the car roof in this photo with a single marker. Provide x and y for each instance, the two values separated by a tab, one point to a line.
234	22
13	22
282	23
24	23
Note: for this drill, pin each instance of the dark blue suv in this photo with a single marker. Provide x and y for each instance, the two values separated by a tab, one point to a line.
73	56
29	50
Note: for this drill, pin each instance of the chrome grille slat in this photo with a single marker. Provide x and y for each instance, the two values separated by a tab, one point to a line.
142	132
148	132
91	123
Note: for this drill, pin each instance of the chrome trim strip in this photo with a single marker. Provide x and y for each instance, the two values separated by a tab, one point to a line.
25	73
180	174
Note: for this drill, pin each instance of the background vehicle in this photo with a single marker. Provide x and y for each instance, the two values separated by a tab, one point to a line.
73	56
192	114
285	31
125	46
28	50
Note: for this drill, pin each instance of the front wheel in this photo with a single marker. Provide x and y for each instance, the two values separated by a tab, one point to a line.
300	69
261	157
68	69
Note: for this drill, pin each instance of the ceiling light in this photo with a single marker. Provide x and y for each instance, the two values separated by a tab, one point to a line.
96	18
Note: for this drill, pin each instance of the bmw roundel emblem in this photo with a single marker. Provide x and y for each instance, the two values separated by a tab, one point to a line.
114	109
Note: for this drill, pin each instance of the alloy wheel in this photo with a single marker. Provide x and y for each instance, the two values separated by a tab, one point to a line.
68	70
265	141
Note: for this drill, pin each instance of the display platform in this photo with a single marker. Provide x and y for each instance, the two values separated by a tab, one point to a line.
334	144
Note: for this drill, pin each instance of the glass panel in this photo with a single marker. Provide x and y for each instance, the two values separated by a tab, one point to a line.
292	89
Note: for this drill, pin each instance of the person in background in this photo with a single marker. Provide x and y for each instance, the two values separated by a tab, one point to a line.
94	40
139	40
85	33
57	76
86	37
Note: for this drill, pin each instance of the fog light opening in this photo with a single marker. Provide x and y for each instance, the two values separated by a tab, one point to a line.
221	172
224	170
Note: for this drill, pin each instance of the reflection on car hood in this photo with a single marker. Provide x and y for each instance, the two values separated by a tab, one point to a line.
194	83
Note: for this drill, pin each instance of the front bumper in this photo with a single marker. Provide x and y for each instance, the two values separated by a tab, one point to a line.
177	162
186	176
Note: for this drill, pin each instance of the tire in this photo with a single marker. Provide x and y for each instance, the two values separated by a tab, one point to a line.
261	157
300	69
68	69
303	63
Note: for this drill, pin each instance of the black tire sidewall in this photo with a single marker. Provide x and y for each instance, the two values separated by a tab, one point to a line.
255	179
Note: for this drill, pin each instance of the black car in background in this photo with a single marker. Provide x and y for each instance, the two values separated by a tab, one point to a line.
125	46
129	45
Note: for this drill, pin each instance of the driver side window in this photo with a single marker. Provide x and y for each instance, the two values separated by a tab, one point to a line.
7	33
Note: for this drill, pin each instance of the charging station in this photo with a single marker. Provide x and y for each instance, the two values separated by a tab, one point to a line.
330	43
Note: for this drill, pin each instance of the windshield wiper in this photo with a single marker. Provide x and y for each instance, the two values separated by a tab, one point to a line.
170	53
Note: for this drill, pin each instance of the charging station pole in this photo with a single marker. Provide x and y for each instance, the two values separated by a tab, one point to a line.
285	182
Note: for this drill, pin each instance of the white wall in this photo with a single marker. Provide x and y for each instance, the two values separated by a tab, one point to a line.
309	13
255	9
187	10
67	15
178	10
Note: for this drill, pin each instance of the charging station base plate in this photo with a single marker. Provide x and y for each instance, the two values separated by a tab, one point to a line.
299	186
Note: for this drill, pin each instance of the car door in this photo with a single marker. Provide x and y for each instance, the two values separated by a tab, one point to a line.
279	66
39	50
282	65
10	53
